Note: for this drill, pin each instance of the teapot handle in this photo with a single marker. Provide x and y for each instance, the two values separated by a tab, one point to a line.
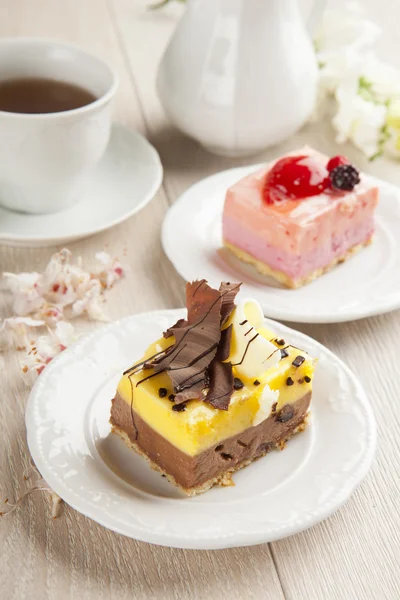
316	15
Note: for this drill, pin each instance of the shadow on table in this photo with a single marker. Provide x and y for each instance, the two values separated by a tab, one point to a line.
97	561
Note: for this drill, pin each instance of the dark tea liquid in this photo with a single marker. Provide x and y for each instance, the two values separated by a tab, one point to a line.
39	95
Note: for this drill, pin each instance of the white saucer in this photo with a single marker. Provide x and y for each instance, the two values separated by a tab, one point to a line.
125	180
93	471
367	284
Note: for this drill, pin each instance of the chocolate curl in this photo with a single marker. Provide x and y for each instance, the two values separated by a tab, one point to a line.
228	292
221	376
196	342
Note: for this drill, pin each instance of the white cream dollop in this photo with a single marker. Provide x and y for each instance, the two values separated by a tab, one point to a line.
267	399
251	354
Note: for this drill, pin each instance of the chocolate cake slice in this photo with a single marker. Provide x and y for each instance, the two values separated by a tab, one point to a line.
215	392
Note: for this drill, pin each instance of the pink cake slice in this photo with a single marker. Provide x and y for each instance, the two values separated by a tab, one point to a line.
296	241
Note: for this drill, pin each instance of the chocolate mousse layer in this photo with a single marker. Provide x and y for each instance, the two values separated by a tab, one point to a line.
226	456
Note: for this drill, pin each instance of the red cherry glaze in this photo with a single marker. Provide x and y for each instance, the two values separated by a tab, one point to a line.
336	161
295	178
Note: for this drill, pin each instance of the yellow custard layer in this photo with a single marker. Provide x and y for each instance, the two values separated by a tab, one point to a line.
201	425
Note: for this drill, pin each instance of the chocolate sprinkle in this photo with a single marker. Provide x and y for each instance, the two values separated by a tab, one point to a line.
179	407
171	397
301	380
273	408
238	384
284	353
243	322
298	361
280	342
307	378
256	382
285	414
162	392
226	456
289	381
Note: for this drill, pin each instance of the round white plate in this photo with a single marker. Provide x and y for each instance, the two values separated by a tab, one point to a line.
96	473
124	181
367	284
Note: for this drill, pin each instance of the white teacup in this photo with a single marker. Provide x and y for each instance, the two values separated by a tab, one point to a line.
45	158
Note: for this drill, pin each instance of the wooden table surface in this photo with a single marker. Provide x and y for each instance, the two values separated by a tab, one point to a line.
353	554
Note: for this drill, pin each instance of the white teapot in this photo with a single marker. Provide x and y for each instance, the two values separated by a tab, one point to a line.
239	75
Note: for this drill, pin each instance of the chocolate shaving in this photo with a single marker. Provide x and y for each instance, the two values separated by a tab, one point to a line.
224	346
221	385
196	342
169	332
193	392
142	363
221	376
195	362
228	291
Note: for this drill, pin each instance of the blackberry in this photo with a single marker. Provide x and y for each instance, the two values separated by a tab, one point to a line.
344	177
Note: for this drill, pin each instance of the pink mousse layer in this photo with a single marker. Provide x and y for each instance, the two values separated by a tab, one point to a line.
298	237
293	265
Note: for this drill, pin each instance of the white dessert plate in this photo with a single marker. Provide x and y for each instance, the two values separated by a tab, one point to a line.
367	284
97	474
124	181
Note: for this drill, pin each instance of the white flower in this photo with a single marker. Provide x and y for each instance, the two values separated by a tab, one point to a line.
112	270
14	330
51	314
48	299
393	129
347	28
24	286
358	120
64	334
89	301
64	288
363	86
46	347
